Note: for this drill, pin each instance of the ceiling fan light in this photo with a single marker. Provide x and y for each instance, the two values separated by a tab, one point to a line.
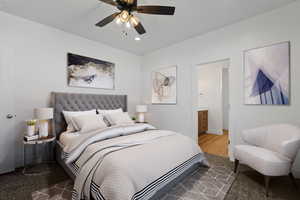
118	20
134	21
124	16
128	24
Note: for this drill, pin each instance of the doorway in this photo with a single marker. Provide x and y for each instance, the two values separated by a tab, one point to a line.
211	106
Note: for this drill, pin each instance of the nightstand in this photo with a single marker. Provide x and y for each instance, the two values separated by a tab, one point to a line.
41	141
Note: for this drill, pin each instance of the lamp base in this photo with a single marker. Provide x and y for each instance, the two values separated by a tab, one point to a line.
43	129
141	118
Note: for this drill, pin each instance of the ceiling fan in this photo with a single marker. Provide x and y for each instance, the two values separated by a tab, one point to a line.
127	7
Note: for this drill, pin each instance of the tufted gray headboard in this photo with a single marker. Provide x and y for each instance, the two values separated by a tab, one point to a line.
82	102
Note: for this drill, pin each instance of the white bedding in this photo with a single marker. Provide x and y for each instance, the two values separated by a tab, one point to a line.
133	166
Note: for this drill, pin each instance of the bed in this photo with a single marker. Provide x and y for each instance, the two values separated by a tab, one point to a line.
138	162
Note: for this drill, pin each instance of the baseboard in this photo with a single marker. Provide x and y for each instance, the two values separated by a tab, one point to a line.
215	131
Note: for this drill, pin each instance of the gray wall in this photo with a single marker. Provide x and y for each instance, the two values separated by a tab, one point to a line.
228	42
39	62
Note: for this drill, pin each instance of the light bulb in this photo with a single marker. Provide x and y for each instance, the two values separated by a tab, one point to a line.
128	25
124	16
118	21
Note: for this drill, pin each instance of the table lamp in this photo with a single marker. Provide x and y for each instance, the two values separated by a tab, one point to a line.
141	110
43	115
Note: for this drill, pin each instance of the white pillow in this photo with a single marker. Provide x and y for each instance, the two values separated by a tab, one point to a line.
104	112
119	118
86	123
69	114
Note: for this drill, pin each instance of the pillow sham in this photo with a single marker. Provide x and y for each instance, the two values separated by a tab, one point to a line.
105	113
86	123
119	118
69	114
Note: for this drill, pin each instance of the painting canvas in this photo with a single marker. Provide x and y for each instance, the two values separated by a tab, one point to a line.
267	75
90	72
164	86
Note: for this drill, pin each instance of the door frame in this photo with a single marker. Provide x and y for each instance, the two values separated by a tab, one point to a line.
194	102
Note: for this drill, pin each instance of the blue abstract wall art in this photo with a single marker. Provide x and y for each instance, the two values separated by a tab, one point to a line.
267	75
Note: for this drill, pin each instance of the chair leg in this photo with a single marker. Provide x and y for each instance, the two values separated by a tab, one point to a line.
236	164
293	179
267	184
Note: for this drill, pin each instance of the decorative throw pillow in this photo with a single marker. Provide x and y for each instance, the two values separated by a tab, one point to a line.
69	114
86	123
119	118
105	113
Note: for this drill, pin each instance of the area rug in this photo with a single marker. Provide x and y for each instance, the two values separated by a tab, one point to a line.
204	183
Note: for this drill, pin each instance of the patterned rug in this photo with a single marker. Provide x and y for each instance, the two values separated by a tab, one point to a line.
61	191
205	183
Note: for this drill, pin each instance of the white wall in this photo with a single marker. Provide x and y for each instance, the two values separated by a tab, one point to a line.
40	54
225	98
229	42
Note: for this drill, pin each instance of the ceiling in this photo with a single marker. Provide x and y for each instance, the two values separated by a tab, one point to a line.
192	18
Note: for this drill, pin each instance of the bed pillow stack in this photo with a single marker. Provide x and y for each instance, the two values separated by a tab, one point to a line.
85	121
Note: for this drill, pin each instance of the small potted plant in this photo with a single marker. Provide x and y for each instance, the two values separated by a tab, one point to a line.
31	127
133	118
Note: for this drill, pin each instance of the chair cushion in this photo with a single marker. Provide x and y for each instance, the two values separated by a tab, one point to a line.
266	162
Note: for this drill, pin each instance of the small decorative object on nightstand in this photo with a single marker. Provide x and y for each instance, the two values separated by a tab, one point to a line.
30	127
141	110
43	115
41	141
133	119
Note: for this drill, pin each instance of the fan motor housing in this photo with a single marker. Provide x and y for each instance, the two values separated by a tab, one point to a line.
124	6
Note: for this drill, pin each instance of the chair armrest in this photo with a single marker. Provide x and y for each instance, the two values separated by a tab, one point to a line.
290	148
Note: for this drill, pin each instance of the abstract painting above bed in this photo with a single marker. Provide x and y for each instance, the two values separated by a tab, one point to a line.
267	75
164	86
90	72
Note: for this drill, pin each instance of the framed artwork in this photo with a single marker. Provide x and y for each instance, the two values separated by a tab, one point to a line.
90	72
164	86
267	75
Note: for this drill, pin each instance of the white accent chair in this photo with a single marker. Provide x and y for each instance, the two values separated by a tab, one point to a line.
270	150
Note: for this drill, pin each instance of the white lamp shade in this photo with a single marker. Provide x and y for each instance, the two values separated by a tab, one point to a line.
141	109
43	113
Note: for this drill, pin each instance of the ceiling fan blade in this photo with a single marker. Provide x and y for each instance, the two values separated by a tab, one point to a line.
107	20
156	10
140	29
111	2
